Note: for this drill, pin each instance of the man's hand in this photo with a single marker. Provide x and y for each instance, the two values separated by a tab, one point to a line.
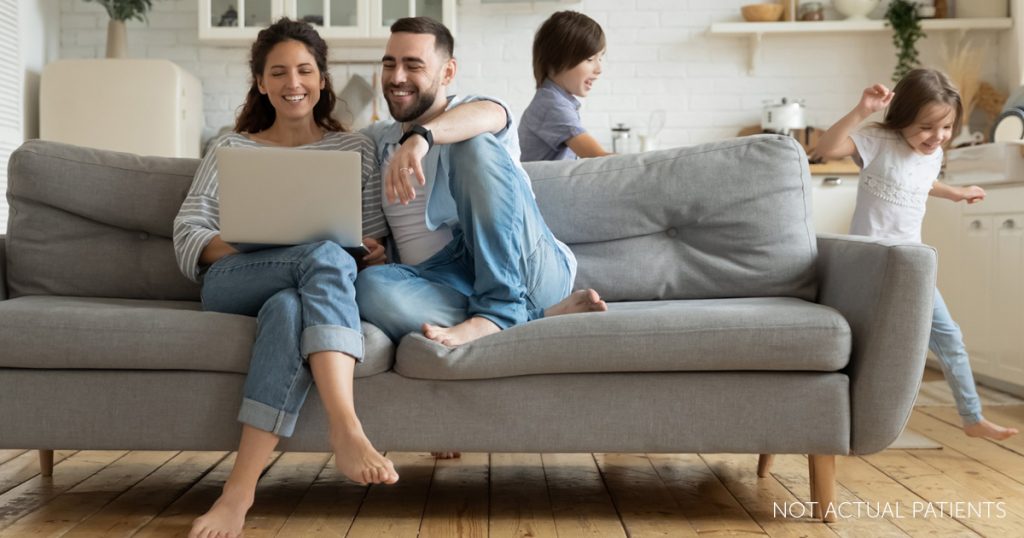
875	98
972	194
405	165
377	255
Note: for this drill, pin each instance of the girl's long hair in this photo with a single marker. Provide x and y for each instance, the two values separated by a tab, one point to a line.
257	113
916	90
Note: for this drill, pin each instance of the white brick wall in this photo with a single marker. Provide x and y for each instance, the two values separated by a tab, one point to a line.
660	56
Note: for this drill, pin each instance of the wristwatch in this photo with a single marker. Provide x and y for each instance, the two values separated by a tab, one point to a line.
418	130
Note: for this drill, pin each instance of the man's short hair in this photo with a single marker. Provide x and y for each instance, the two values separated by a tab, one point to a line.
443	40
563	41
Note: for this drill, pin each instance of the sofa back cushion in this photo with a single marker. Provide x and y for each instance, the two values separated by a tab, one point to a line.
94	223
726	219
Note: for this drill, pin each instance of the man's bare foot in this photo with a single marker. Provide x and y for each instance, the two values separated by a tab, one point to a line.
225	518
577	302
989	430
446	455
356	458
467	331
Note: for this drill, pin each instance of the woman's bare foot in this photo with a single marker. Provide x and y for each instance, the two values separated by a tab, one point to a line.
577	302
467	331
356	458
225	518
446	455
989	430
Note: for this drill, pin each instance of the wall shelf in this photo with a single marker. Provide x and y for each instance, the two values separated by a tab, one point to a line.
756	31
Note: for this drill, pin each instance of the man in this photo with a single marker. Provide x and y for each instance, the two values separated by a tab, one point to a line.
478	257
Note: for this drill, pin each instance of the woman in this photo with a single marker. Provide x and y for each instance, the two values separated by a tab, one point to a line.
303	296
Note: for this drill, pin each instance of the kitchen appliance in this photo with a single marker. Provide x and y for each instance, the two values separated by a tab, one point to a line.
620	138
783	116
141	106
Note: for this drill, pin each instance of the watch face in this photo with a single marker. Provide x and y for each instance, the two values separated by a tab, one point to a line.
1009	127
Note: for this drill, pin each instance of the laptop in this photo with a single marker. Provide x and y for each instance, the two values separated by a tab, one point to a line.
272	197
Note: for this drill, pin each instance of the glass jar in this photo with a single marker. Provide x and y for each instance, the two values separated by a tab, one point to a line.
812	11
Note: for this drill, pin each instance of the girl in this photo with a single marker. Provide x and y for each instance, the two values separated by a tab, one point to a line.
900	159
567	54
308	327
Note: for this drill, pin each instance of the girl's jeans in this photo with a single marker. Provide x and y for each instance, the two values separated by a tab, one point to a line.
947	343
304	300
502	264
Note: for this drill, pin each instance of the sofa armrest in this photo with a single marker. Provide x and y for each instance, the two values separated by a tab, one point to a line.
885	290
3	267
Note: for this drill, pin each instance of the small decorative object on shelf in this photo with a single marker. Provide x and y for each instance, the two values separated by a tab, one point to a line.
228	18
855	10
812	11
121	11
761	12
906	30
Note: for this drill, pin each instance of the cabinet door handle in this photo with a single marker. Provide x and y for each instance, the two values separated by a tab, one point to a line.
975	224
832	181
1009	224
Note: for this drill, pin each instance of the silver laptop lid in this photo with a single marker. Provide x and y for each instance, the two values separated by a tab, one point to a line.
284	196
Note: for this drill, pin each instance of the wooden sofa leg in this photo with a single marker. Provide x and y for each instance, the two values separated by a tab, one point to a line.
764	464
46	462
823	485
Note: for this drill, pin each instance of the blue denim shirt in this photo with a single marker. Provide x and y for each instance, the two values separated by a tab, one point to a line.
552	118
441	208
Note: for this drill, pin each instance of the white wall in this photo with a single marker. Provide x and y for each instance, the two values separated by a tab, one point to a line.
660	56
40	44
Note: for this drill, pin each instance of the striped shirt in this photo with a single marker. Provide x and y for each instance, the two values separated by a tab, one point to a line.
198	220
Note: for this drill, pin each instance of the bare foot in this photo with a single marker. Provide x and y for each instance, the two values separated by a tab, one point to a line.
356	458
467	331
577	302
446	455
225	518
989	430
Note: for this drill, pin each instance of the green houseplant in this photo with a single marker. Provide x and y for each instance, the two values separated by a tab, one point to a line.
906	30
121	11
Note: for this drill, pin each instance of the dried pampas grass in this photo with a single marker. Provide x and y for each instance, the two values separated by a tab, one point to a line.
963	65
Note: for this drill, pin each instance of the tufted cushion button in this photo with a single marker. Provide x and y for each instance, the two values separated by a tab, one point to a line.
143	236
672	232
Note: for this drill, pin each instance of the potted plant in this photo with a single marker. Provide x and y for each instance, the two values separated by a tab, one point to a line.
906	30
121	11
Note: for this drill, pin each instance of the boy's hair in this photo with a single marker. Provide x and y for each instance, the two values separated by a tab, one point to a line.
257	113
563	41
443	40
916	90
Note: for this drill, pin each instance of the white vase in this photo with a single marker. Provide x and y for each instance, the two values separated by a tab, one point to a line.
855	10
117	39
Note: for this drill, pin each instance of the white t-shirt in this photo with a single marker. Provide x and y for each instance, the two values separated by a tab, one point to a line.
894	183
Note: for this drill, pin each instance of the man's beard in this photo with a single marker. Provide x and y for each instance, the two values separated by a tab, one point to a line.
417	109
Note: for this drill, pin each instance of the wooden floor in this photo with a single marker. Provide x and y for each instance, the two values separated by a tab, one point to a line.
896	492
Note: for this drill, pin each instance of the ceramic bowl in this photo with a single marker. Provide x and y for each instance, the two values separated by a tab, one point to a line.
761	12
856	10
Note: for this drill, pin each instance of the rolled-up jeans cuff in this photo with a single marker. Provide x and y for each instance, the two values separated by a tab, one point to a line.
266	418
332	338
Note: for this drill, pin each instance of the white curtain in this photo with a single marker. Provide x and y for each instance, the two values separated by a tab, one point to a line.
11	72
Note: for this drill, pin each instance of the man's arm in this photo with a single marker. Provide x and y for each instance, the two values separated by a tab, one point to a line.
460	123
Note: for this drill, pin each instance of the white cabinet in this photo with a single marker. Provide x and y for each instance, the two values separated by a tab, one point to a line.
834	198
353	23
981	276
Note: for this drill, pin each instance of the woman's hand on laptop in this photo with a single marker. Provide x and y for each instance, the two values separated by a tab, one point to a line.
406	165
377	255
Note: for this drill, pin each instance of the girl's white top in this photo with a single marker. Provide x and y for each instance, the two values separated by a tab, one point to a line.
894	185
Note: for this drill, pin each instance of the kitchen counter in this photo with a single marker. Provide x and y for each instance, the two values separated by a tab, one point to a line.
841	167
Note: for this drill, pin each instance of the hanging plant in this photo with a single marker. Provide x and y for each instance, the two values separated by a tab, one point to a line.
123	10
906	30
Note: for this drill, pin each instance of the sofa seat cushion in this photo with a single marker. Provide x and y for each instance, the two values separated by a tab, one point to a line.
48	332
753	334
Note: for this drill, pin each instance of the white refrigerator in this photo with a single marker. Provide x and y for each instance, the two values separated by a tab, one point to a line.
141	106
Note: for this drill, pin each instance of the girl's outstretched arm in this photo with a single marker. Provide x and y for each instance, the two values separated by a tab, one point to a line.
836	142
971	194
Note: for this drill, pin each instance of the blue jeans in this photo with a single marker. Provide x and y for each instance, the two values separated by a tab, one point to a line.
503	263
947	343
303	298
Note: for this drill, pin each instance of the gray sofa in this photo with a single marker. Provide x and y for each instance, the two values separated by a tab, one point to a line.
732	327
